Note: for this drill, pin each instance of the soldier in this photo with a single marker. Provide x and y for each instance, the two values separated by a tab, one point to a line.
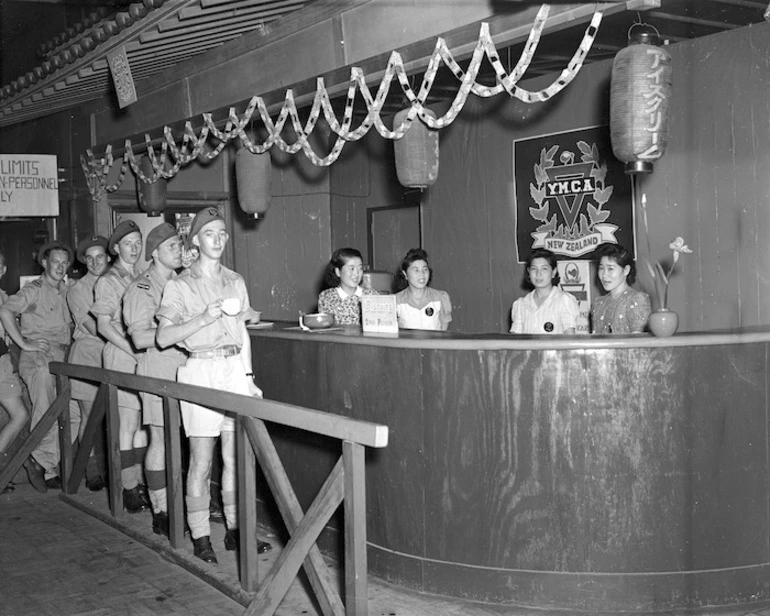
140	303
43	337
126	243
87	348
10	390
191	315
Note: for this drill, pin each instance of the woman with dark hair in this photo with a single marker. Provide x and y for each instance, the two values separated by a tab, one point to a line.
623	310
546	309
419	306
342	297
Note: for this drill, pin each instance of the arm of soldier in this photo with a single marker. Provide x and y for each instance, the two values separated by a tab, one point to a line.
247	365
79	309
171	329
8	320
15	305
109	333
170	333
139	315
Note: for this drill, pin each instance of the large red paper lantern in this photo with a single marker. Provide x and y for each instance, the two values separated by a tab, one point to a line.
152	197
416	153
252	174
640	93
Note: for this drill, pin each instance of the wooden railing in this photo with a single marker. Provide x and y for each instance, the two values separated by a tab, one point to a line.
345	483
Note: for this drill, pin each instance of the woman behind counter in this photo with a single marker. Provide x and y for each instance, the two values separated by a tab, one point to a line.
622	310
419	306
343	276
546	309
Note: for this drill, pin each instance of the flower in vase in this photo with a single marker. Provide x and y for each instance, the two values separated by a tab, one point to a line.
661	276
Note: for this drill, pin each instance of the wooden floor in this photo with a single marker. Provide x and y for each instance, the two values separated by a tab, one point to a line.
57	559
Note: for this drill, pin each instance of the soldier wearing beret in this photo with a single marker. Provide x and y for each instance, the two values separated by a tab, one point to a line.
126	244
140	303
43	334
87	348
191	315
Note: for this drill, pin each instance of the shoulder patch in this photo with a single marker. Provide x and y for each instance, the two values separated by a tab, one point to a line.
37	282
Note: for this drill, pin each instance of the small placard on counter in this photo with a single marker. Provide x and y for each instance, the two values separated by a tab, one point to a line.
378	314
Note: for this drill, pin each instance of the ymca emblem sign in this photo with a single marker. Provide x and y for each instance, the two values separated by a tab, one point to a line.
572	194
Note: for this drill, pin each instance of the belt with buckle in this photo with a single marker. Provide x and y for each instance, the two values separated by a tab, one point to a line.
225	351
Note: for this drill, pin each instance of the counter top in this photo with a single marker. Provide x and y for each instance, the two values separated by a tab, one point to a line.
421	339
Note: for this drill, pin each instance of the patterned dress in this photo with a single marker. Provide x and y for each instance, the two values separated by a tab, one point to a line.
626	314
345	308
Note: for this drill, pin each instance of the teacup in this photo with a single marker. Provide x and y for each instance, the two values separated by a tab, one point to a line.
231	306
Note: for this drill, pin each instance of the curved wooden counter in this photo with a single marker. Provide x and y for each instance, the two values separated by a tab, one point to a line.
588	473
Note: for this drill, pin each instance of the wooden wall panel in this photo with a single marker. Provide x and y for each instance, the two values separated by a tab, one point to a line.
710	187
283	254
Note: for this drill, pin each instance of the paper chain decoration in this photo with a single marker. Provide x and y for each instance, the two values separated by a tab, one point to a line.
194	145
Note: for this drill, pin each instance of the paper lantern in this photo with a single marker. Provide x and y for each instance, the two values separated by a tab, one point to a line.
416	153
252	174
640	93
152	197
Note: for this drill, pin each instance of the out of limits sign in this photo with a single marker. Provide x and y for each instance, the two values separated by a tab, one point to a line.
29	185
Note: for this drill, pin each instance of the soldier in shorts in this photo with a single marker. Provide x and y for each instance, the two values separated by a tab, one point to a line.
87	348
126	243
191	315
140	303
43	337
10	390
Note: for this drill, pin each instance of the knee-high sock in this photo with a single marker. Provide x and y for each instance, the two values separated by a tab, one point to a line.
127	474
139	454
230	507
156	487
198	516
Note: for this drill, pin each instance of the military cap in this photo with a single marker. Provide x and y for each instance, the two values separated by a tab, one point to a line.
156	237
94	240
46	249
121	231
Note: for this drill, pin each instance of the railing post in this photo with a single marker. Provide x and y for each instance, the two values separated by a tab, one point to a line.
113	449
247	507
174	492
355	529
65	435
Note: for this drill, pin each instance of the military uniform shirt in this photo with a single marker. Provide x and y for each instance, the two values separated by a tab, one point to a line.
141	301
189	294
108	294
80	298
43	312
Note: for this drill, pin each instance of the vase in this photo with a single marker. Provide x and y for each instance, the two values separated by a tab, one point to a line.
664	322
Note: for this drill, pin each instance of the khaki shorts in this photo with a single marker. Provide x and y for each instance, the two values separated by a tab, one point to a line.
10	384
117	359
86	351
160	366
224	373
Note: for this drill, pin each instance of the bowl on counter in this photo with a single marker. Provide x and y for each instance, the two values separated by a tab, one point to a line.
318	320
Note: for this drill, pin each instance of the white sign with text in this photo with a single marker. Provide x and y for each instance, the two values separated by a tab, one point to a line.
29	185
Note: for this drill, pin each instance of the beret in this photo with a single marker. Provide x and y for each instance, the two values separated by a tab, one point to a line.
52	245
94	240
156	237
202	218
121	231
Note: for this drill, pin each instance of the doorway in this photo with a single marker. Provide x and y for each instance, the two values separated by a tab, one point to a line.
393	230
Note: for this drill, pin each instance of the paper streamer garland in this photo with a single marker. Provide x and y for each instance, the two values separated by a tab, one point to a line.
172	157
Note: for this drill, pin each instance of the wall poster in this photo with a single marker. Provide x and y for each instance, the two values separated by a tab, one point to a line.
571	194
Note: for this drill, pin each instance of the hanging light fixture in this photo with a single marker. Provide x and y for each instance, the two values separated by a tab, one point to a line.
252	174
416	153
640	93
152	197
